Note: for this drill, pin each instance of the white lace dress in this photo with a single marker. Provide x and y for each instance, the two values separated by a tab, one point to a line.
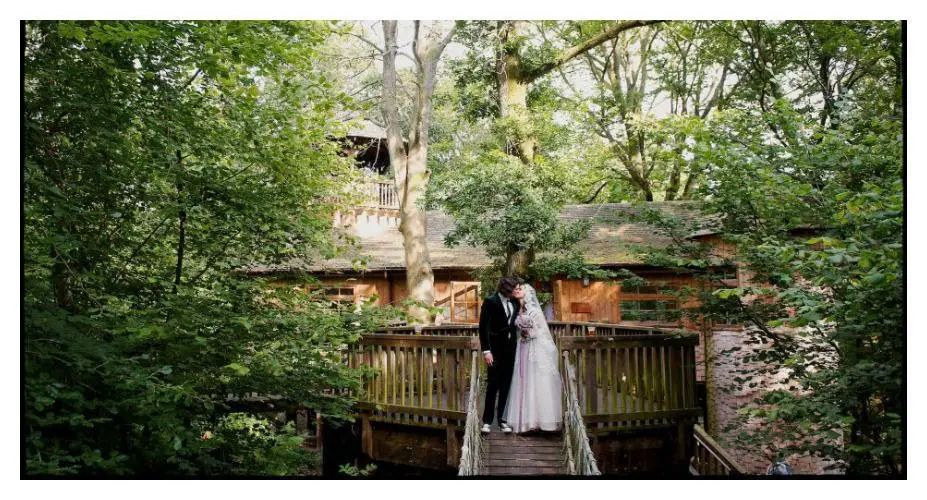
534	397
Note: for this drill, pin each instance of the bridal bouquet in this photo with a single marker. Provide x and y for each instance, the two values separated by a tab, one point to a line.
526	325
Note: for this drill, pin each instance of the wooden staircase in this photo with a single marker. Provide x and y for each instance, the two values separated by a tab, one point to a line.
523	455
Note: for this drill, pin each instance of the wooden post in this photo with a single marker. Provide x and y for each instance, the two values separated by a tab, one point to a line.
681	448
302	421
366	436
558	299
453	447
318	430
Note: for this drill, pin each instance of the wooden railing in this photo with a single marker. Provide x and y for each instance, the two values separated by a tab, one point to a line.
582	329
710	459
471	452
381	193
430	377
557	329
453	330
419	380
632	380
624	379
579	457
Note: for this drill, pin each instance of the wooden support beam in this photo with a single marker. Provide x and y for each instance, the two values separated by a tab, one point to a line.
366	436
453	447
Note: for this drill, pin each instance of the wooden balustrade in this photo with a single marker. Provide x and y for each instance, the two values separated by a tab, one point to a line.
386	194
710	459
380	193
447	329
557	329
624	380
420	380
633	380
580	329
428	377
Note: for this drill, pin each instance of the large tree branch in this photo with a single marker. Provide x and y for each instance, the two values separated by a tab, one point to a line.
716	94
368	42
416	45
597	191
581	48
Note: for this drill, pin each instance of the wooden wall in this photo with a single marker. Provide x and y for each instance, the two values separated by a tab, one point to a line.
597	302
600	302
389	288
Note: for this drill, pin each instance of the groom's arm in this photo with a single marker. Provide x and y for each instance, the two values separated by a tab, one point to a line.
484	327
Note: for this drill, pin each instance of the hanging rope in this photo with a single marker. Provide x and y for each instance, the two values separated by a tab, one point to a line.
579	457
471	453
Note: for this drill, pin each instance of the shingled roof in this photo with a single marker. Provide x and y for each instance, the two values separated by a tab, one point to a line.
609	242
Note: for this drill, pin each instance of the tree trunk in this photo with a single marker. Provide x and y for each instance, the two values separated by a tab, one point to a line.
413	225
513	92
410	163
517	262
61	279
513	81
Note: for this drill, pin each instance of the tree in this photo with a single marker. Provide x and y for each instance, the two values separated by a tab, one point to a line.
160	159
504	51
508	208
409	161
516	70
665	63
826	310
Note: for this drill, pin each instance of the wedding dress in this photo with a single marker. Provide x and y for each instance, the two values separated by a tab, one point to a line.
534	397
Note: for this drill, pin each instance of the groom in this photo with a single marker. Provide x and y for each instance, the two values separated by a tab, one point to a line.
498	341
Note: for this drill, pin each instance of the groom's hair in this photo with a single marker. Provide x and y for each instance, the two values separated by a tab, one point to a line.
507	284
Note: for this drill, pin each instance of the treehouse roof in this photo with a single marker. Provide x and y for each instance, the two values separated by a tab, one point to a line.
610	242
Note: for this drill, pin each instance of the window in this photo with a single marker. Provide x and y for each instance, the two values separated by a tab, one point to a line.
341	295
465	302
336	294
650	301
665	311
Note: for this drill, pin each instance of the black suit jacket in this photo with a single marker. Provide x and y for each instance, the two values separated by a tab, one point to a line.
495	328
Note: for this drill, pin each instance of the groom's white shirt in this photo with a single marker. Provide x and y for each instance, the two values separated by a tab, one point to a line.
507	305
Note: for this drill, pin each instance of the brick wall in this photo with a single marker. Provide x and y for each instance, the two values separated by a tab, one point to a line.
723	405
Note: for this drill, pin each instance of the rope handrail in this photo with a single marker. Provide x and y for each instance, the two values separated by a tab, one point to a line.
579	457
471	453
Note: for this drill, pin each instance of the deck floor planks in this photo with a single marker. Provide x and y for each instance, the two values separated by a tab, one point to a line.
516	455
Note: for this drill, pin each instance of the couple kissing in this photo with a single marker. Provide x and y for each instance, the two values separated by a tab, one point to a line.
522	361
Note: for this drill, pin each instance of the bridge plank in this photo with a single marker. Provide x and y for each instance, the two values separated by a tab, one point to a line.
519	454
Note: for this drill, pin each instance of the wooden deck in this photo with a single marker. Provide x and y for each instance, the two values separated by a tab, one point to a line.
523	455
628	380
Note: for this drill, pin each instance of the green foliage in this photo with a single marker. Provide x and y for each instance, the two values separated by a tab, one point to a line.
837	295
354	471
474	74
505	206
160	159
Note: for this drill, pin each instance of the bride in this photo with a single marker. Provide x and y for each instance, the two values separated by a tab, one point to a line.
534	397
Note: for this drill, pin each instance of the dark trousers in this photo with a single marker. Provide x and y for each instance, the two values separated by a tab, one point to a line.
499	378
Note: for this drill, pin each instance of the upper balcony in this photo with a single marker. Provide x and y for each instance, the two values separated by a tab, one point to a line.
379	192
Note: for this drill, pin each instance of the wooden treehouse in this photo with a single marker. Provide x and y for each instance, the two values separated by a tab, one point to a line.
633	392
629	406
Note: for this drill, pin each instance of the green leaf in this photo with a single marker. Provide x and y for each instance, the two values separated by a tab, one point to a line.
238	369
